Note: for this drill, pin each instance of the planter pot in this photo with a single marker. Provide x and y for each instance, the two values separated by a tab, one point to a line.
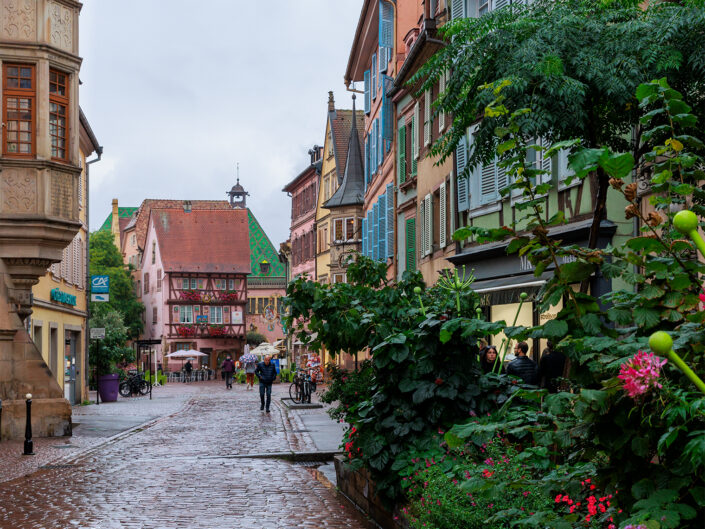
108	386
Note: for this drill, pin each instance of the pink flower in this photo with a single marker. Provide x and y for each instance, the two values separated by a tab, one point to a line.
702	297
640	373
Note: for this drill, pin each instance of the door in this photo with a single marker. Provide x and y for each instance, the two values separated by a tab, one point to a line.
70	343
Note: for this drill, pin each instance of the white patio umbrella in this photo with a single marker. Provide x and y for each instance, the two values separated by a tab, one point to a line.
185	354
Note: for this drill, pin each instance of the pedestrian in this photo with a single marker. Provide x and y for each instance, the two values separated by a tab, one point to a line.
266	372
250	368
228	367
523	366
551	367
188	368
488	360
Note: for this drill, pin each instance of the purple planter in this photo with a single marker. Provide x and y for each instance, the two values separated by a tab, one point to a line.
108	386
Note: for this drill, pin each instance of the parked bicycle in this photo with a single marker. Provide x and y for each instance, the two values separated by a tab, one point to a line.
302	387
134	385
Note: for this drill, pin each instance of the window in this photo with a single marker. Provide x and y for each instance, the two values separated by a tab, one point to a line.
18	110
261	302
138	288
184	283
194	283
350	229
231	284
159	280
183	346
133	240
154	315
216	314
338	278
338	235
58	114
146	283
185	314
220	284
330	143
154	252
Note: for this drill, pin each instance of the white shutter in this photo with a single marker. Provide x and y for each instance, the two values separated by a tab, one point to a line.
452	205
76	262
415	133
502	180
442	216
497	4
488	183
441	89
546	164
65	256
562	162
427	118
457	9
428	208
461	161
422	226
80	187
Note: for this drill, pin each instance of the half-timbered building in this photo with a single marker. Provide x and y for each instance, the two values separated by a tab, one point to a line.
194	281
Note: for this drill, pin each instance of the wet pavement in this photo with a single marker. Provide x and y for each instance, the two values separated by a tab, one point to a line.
195	464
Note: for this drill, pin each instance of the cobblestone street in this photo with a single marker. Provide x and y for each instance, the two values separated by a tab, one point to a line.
198	466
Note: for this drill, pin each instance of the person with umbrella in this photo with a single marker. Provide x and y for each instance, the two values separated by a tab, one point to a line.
266	372
250	362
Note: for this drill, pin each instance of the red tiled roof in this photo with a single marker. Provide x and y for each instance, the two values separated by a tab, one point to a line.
153	203
341	125
203	240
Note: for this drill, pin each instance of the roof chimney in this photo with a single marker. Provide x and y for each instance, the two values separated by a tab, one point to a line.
331	102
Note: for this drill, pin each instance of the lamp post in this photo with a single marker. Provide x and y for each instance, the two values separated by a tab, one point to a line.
28	443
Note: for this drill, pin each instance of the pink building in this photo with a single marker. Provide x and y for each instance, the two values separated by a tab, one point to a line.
304	193
194	272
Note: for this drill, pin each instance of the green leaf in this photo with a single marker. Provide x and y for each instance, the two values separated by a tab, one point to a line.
586	160
424	392
516	244
647	244
576	271
645	317
643	488
591	323
645	90
618	165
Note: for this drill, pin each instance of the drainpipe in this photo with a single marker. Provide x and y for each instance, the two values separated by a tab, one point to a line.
86	368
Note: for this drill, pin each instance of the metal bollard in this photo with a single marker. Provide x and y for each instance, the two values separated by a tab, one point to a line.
28	444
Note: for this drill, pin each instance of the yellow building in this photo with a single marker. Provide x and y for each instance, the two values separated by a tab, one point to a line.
59	312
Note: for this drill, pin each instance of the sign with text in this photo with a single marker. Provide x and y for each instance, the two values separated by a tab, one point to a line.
100	298
100	284
98	333
62	297
237	317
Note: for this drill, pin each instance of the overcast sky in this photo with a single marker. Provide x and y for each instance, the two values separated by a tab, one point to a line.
177	92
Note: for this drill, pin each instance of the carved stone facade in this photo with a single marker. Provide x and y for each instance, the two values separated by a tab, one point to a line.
39	182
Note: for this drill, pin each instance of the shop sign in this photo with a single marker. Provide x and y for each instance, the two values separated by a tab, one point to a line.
100	284
63	297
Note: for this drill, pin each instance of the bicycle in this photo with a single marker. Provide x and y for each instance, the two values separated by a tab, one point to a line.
300	389
134	385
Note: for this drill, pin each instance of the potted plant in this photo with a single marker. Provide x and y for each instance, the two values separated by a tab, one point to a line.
105	354
217	330
186	331
190	295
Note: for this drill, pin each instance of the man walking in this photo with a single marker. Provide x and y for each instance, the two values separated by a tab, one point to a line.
188	368
228	368
523	366
250	368
266	372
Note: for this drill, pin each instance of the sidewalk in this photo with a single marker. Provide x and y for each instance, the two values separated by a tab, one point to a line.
310	430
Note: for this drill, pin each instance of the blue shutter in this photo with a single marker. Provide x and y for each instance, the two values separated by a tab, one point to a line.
390	220
373	150
364	236
375	231
386	24
370	233
380	143
387	112
382	242
367	162
382	59
367	91
373	85
461	161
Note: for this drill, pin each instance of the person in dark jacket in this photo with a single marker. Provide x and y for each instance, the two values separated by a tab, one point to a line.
551	368
266	373
523	366
228	367
188	368
488	357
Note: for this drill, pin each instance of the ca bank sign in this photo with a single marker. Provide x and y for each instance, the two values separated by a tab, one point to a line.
100	284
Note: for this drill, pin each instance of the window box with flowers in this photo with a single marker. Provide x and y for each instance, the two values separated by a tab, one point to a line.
229	295
217	330
186	330
190	295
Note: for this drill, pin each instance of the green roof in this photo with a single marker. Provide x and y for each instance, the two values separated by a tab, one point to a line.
122	213
262	248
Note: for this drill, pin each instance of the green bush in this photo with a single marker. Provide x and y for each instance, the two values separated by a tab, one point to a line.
285	375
